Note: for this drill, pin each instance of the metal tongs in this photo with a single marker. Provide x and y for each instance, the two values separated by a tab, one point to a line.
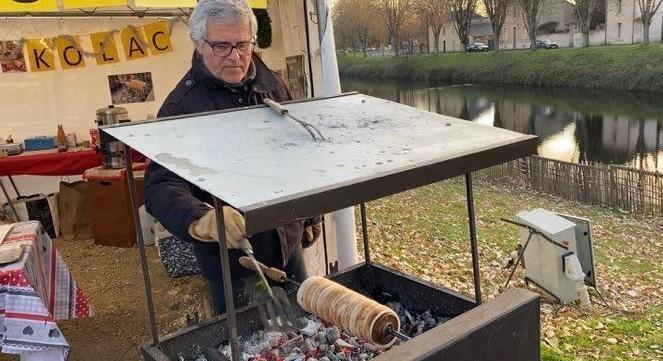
283	111
274	307
272	313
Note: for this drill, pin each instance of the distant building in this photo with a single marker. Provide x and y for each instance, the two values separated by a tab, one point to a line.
624	25
480	32
556	24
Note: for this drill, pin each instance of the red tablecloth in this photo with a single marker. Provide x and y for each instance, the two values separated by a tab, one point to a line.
49	163
54	163
35	291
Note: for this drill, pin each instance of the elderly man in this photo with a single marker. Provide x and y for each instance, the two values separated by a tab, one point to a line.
225	73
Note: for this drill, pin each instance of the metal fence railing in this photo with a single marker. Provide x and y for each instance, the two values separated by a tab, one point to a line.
628	189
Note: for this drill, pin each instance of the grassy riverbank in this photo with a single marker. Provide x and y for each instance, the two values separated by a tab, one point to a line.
633	67
424	232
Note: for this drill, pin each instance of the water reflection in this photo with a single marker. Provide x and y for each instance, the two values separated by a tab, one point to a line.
580	126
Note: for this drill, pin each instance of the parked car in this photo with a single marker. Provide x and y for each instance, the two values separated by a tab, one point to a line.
477	47
546	44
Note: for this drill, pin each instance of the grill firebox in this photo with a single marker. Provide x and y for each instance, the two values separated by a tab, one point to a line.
506	328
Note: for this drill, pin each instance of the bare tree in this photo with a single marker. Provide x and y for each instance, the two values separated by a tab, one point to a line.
394	13
463	11
584	15
435	12
356	22
343	33
364	15
647	10
497	11
531	14
361	14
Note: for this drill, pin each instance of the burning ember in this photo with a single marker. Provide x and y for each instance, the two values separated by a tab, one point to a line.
317	341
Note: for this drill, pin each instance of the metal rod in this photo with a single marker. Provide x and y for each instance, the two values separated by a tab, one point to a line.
297	284
9	201
397	334
536	231
473	238
308	52
141	245
227	280
324	246
364	233
557	299
18	194
521	253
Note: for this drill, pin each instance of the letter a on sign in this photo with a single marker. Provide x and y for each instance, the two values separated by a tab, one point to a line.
68	50
40	55
104	47
158	36
13	6
133	42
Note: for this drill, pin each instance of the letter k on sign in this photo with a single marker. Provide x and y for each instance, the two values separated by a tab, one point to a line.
40	55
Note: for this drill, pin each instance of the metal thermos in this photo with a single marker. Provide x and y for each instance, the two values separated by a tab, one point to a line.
112	152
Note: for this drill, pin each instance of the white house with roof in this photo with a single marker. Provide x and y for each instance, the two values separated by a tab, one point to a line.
624	25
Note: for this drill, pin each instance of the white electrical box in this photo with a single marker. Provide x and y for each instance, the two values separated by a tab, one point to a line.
544	260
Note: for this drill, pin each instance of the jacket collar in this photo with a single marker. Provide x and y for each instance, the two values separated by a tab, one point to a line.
260	79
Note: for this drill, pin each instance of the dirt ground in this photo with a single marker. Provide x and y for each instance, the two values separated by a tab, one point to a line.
112	279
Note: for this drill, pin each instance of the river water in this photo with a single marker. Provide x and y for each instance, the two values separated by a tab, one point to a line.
574	125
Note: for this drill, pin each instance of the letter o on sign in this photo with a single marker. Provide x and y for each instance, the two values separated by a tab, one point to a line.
25	1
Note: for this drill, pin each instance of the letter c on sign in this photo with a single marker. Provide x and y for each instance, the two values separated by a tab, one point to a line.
154	41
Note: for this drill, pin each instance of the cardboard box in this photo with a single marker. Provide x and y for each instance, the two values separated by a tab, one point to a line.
110	206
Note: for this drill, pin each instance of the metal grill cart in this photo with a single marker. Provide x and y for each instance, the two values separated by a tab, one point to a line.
270	169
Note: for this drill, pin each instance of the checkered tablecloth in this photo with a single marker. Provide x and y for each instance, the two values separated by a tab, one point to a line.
35	292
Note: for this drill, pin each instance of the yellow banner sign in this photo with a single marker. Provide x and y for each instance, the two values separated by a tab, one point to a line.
104	48
69	53
133	42
158	37
138	42
28	5
166	3
40	55
77	4
258	4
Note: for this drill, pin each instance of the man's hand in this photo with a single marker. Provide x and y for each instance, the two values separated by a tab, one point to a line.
311	234
205	229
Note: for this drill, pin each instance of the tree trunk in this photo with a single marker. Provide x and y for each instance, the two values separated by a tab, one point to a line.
645	31
363	49
437	42
498	35
394	46
585	39
532	39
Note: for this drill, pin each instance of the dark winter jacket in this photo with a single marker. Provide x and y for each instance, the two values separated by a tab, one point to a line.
175	202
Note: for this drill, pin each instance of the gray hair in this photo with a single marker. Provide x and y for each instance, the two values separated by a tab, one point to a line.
221	11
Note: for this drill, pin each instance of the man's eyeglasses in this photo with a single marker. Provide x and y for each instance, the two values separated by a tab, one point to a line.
224	49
